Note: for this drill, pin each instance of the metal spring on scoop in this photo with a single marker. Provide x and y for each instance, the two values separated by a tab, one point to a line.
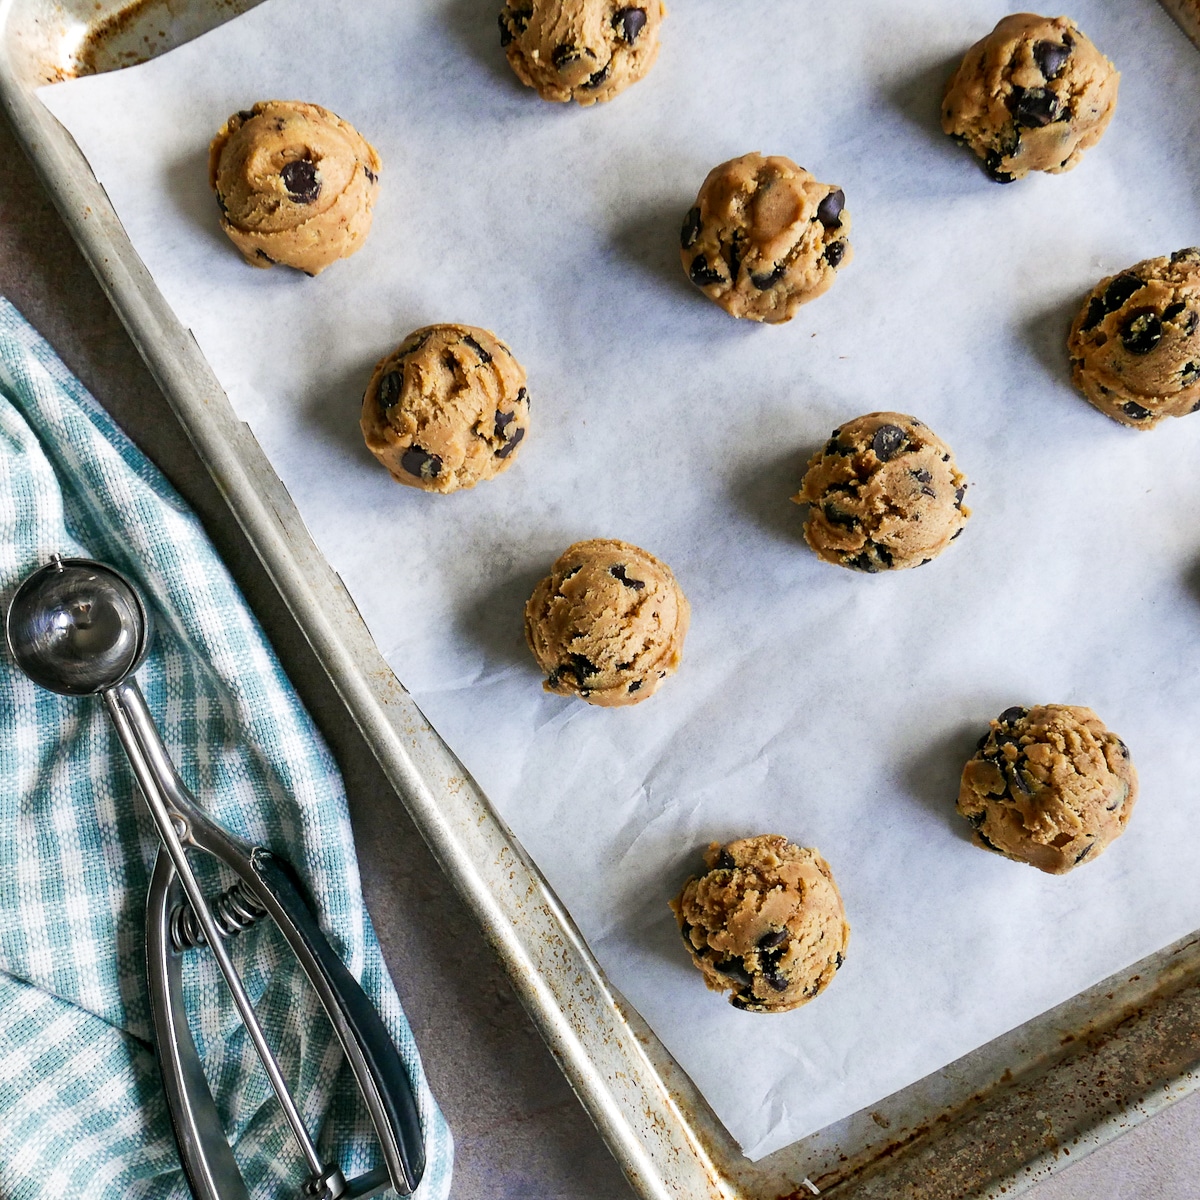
234	910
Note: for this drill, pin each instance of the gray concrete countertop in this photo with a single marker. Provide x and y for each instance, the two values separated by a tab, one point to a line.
520	1133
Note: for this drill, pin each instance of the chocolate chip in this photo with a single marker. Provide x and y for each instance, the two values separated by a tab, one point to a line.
261	253
983	841
884	554
833	446
581	667
959	493
1017	780
691	229
1189	326
1142	331
506	34
955	534
702	275
512	443
567	53
625	666
1189	368
1034	108
484	356
596	78
993	169
1134	411
1124	749
421	463
748	1003
411	346
887	440
838	959
767	279
573	572
390	387
634	686
978	818
1085	852
1188	254
300	179
247	114
777	981
834	253
830	209
735	968
734	256
1173	310
1010	716
370	174
922	476
1095	314
1050	57
618	572
835	516
1120	290
629	22
725	861
772	938
862	562
686	931
503	420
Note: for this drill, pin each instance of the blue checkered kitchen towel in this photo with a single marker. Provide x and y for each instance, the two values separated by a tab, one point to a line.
82	1112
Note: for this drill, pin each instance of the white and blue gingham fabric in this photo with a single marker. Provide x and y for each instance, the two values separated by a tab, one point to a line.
82	1111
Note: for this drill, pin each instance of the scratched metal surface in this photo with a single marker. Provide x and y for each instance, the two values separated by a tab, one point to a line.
988	1125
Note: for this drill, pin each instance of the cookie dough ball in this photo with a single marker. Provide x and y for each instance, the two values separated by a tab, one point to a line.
447	408
1048	786
765	923
1031	96
1135	345
883	493
295	184
581	50
764	237
607	623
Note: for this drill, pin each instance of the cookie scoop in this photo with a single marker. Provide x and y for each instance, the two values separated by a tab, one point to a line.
764	923
1031	96
446	409
1135	344
883	494
295	185
764	237
583	50
1049	786
607	624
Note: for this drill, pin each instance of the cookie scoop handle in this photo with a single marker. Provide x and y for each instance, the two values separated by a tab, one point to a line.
378	1069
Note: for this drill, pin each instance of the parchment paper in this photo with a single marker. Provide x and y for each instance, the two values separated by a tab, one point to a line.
832	707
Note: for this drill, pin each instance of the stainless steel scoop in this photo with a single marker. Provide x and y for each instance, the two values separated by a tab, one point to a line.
81	628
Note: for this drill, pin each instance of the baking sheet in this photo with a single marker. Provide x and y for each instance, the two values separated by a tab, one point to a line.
831	707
